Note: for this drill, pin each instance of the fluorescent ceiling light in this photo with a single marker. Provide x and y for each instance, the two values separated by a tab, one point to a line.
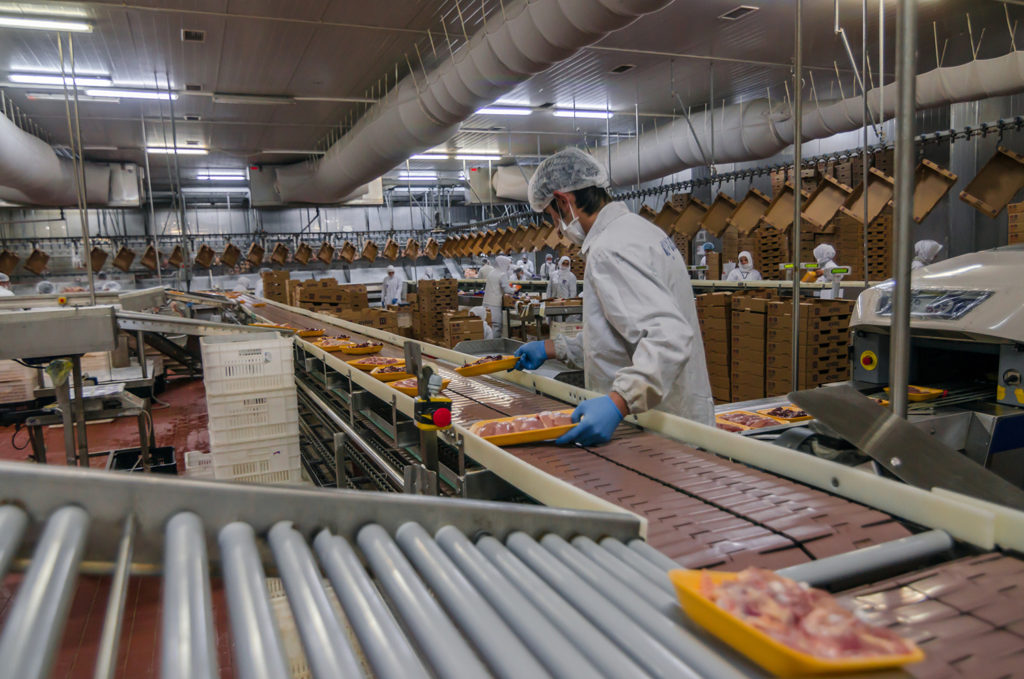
181	151
59	96
250	99
221	177
216	190
430	156
417	174
132	94
578	113
504	111
49	79
45	24
476	156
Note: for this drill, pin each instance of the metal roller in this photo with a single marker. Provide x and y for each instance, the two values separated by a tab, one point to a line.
639	563
383	642
34	625
324	639
12	527
257	650
445	648
506	655
189	649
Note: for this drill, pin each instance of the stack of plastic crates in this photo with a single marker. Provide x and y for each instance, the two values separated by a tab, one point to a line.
253	413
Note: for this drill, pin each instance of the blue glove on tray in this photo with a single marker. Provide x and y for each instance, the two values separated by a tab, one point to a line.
531	355
597	417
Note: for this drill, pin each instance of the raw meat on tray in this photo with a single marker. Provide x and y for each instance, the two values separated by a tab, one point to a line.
749	420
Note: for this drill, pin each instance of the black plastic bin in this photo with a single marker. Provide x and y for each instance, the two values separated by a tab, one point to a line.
162	460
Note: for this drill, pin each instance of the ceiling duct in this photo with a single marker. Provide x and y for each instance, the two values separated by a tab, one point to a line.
422	112
753	131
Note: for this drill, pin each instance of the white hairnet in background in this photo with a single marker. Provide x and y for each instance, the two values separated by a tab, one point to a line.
568	170
503	263
927	250
749	266
4	278
824	253
45	288
563	260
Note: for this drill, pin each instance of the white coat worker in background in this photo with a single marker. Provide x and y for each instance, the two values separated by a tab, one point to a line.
259	280
519	273
5	286
242	285
549	268
825	256
392	291
107	285
497	286
485	268
562	284
527	265
481	313
641	341
925	252
744	270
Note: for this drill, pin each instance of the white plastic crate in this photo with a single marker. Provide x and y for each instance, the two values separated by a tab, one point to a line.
288	476
259	416
238	364
252	457
198	464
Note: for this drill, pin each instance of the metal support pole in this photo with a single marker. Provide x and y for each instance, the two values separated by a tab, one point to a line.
111	633
152	210
906	58
12	526
78	409
798	115
140	343
62	389
864	130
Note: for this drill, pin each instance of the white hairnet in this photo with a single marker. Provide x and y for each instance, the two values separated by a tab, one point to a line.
485	259
4	278
750	261
391	269
548	256
503	263
927	250
824	253
480	312
563	260
568	170
45	288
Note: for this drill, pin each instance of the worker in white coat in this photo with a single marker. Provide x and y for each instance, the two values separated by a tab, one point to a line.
925	252
242	285
528	269
744	270
107	285
392	290
549	267
825	255
259	281
641	342
562	284
481	313
5	286
497	286
485	268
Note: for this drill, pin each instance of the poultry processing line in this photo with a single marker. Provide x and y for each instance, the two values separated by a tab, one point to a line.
701	509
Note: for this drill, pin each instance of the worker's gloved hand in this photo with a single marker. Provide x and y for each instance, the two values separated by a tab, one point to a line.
531	355
597	417
394	300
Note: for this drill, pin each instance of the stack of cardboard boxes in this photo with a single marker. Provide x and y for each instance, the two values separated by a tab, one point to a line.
380	319
747	344
275	285
823	349
326	295
716	330
1015	223
433	299
17	383
461	326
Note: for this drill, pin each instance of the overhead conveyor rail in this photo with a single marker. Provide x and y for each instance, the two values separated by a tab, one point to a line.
428	586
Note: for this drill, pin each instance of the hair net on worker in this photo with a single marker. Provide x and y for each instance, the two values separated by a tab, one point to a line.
548	257
479	311
4	278
485	259
568	170
564	261
824	253
708	247
749	266
927	250
45	288
391	269
503	263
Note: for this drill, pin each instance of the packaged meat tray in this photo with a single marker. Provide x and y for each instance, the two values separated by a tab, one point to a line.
918	394
786	413
747	419
369	363
310	332
488	365
331	343
787	628
410	386
391	373
510	431
362	348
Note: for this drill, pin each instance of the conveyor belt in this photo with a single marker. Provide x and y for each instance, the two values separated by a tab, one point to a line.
703	511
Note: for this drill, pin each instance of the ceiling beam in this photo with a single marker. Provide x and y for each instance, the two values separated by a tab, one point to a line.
705	57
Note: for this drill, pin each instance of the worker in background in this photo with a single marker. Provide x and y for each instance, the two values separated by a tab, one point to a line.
527	265
107	285
744	270
242	285
481	313
562	284
485	268
518	273
824	255
925	252
549	268
392	290
641	341
259	280
5	286
45	288
495	290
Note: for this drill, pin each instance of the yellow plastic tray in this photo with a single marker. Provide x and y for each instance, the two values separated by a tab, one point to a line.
390	377
367	367
310	333
506	363
331	347
361	350
765	412
273	326
927	393
414	391
770	654
522	437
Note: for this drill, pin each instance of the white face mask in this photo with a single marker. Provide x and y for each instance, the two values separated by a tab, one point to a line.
573	230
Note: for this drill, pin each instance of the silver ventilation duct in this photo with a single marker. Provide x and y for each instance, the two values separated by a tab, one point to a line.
422	112
31	173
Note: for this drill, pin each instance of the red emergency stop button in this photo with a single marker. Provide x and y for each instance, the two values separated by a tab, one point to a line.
869	360
442	417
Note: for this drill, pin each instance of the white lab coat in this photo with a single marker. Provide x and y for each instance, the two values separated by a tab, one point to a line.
548	269
484	271
392	288
497	286
641	337
481	313
562	285
738	274
5	292
111	286
528	268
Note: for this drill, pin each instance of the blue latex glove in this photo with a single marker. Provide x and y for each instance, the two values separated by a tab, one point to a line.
394	301
531	355
597	417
